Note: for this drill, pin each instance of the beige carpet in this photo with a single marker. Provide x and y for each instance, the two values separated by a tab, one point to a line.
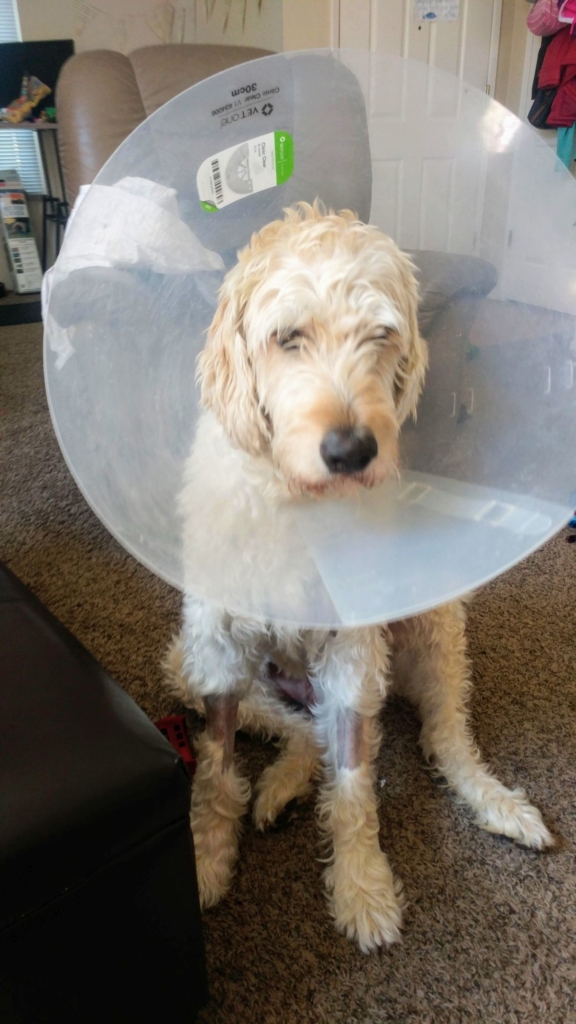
490	928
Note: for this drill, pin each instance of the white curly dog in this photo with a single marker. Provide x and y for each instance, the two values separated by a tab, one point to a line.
312	363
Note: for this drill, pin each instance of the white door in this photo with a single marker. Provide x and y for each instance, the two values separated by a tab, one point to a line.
467	47
429	181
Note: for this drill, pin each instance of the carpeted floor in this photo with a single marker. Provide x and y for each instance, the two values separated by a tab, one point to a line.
490	932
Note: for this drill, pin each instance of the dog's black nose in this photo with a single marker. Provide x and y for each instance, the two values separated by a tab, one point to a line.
348	449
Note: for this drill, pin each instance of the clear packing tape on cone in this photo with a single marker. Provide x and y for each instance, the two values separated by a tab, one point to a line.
489	469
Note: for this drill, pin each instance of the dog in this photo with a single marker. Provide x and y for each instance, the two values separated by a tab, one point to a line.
312	363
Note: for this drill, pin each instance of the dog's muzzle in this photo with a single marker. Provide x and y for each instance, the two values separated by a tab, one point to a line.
348	449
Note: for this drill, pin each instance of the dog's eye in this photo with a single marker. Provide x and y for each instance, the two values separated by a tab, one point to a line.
381	334
288	340
378	335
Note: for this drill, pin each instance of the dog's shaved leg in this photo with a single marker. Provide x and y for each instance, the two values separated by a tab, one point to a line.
221	714
349	681
219	799
435	675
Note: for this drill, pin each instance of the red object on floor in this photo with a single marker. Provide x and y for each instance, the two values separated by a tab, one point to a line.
173	727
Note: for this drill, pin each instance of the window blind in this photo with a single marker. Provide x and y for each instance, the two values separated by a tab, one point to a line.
9	22
20	152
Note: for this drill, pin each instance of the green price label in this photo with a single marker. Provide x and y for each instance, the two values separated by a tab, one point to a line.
284	149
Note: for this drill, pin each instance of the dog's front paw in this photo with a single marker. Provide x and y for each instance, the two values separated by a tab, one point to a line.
510	814
215	832
275	790
219	799
365	901
215	860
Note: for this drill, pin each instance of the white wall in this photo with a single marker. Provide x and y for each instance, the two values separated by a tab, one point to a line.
310	24
126	25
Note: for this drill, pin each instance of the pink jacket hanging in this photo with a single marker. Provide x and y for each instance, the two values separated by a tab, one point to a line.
543	18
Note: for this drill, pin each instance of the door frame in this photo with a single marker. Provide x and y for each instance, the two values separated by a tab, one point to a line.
335	23
357	13
530	57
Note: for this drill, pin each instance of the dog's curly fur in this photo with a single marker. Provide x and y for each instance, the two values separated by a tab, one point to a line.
316	330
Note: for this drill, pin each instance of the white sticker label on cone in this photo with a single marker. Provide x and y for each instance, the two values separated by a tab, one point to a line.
240	171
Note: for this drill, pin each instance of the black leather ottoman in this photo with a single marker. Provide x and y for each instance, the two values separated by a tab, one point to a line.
99	915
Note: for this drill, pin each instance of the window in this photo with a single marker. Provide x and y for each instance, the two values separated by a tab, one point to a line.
19	150
9	22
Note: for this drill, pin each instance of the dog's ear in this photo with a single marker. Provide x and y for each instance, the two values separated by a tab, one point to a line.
414	363
228	384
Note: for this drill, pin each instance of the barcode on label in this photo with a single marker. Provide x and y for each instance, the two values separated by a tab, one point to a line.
217	179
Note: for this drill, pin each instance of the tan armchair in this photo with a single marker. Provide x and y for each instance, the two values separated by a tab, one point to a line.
103	95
